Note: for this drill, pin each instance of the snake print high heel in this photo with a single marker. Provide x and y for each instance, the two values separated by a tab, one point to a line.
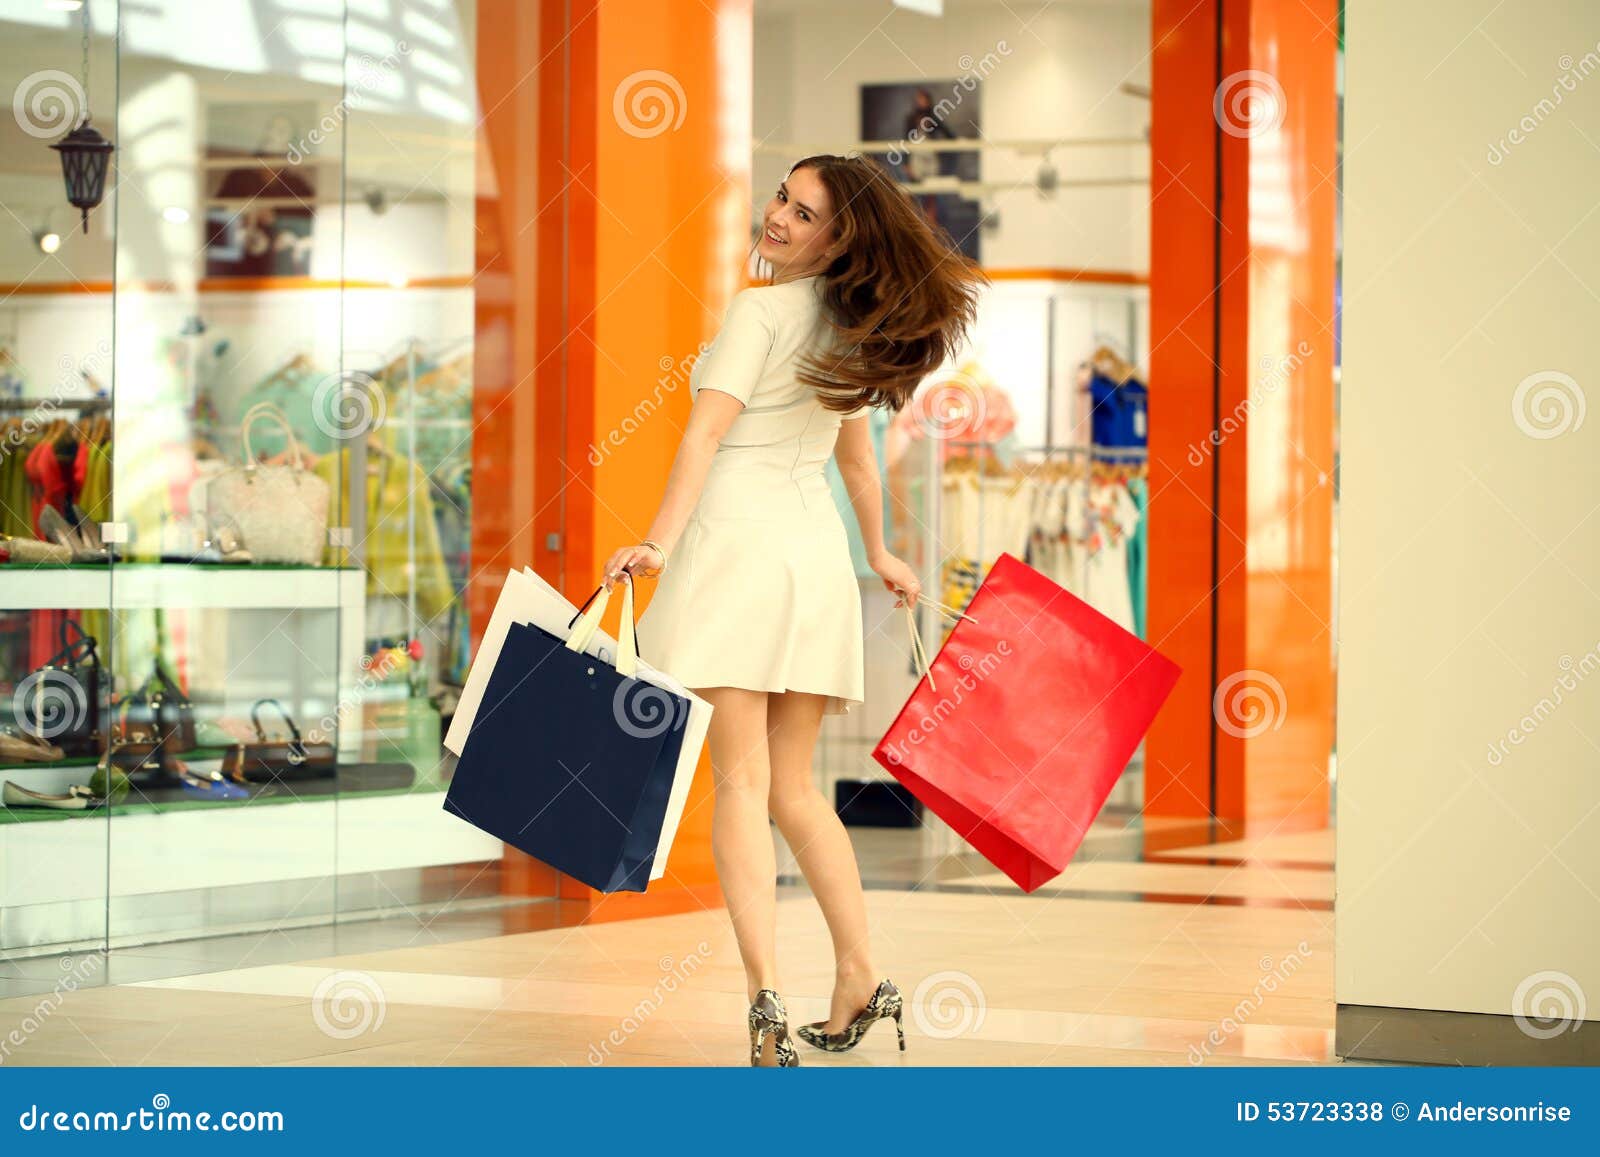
885	1003
768	1017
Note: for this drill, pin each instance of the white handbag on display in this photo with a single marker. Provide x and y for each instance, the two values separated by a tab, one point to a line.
527	598
281	512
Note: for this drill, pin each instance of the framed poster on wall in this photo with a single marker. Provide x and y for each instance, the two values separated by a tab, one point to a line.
261	184
933	110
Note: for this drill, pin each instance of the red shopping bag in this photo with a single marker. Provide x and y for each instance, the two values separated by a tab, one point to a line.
1036	702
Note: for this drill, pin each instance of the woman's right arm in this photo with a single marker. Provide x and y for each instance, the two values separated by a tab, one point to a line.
709	418
727	381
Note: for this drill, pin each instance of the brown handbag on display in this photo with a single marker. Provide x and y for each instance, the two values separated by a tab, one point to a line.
154	723
278	760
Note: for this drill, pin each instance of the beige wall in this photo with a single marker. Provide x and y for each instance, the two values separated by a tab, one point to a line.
1469	682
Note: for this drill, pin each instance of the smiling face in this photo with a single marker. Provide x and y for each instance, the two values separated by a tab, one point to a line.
797	227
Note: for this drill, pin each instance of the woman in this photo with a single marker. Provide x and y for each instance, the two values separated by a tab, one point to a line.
758	610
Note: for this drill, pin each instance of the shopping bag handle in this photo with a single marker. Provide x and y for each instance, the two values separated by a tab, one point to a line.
589	623
919	656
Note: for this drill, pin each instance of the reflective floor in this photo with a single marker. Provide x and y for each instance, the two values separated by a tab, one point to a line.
1214	953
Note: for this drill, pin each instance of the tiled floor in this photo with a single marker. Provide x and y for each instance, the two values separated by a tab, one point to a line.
1116	962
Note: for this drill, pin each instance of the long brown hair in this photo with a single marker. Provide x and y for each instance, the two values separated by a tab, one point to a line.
900	297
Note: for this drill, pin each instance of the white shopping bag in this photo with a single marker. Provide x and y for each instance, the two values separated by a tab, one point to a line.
527	598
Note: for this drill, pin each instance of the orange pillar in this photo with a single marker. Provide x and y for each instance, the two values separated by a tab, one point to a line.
634	149
1243	150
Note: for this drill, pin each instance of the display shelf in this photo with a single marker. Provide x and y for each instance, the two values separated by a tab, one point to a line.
136	585
122	811
354	779
54	878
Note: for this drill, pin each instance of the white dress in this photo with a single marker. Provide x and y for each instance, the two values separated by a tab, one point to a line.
760	591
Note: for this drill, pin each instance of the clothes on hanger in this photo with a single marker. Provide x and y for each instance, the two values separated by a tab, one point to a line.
1112	519
1139	492
63	462
394	480
1120	413
312	413
439	403
1077	522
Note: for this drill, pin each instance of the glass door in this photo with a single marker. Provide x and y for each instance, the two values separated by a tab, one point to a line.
56	368
230	606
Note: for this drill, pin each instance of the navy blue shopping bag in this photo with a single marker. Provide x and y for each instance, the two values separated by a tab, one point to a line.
556	766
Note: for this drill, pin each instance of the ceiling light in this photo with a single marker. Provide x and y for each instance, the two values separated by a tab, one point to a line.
175	214
926	7
63	5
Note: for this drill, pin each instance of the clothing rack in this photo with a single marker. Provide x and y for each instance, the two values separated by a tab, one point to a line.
1092	450
412	349
79	405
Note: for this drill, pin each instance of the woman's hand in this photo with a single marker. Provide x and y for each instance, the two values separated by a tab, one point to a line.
641	561
898	578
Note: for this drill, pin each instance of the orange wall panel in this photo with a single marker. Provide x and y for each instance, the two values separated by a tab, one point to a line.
618	143
1243	149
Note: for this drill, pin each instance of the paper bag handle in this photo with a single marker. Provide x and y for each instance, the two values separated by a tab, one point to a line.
919	657
589	622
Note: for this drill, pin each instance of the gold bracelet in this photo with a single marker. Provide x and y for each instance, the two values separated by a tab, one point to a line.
656	546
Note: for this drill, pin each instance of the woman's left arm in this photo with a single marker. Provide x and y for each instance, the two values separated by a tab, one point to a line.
858	466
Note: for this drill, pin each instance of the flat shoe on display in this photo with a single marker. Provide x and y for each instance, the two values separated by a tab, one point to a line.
885	1003
20	748
206	784
767	1018
77	798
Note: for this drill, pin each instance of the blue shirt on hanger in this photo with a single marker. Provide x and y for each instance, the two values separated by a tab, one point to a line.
1121	412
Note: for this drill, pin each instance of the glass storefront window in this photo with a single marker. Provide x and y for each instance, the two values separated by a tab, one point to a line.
252	380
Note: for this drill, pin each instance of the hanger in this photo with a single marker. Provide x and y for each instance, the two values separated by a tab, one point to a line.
299	363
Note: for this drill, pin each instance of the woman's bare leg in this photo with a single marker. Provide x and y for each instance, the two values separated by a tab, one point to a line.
741	838
822	847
